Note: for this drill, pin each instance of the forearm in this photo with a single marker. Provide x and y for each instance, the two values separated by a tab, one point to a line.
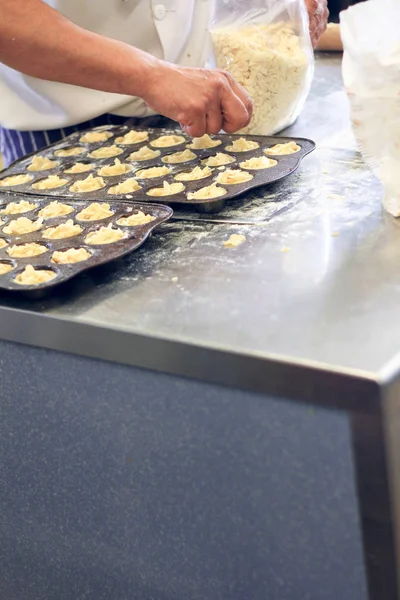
39	41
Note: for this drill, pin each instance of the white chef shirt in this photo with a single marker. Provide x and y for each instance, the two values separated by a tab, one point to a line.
173	30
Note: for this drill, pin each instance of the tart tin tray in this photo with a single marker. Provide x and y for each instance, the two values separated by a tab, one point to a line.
100	254
286	165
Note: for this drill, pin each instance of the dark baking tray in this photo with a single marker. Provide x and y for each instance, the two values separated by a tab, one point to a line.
285	166
101	254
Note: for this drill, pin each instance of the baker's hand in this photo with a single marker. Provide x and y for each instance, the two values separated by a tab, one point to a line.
318	13
201	100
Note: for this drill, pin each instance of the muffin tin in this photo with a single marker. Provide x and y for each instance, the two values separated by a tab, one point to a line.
286	164
100	254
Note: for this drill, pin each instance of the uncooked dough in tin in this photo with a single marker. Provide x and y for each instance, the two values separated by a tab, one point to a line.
26	250
257	163
195	174
70	256
179	157
282	149
243	145
136	219
18	208
126	187
168	189
90	184
55	209
62	231
42	163
95	212
65	152
145	153
204	142
118	168
92	137
207	193
14	180
153	172
5	268
219	160
166	141
106	152
105	235
50	183
133	137
32	276
22	226
234	177
79	168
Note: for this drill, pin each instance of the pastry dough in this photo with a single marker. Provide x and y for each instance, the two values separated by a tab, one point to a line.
95	212
166	141
3	243
105	235
90	184
32	276
234	177
50	183
5	268
204	142
26	250
282	149
17	208
133	137
22	226
41	163
62	231
138	218
126	187
153	172
106	152
55	209
194	174
79	168
75	151
70	256
168	189
257	163
179	157
235	240
145	153
92	137
118	168
218	160
242	145
13	180
207	193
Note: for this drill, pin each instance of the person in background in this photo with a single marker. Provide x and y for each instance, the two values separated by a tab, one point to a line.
68	65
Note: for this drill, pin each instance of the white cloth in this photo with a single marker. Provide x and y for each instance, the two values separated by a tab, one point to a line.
175	30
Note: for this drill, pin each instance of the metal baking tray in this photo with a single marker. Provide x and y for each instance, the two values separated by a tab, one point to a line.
100	254
286	165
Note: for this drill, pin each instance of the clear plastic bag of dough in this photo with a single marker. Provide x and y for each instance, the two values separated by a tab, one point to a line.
266	46
371	71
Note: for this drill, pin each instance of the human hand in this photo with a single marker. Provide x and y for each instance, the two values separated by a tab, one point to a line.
318	14
201	100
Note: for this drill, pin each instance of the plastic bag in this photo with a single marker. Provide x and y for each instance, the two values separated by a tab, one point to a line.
371	72
265	45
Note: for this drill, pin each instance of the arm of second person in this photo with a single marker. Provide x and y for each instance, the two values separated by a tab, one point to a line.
40	42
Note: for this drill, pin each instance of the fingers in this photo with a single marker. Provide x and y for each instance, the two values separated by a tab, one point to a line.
196	127
214	120
241	93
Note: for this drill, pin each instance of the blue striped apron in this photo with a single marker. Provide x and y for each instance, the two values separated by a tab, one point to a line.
15	144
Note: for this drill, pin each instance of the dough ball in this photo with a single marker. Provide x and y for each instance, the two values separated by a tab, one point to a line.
26	250
136	219
65	152
204	142
55	209
166	141
234	177
242	145
207	193
23	226
282	149
145	153
125	187
50	183
92	137
90	184
17	208
62	231
133	137
106	152
168	189
95	212
105	235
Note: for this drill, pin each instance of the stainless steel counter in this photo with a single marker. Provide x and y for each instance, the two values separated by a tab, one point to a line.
307	308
